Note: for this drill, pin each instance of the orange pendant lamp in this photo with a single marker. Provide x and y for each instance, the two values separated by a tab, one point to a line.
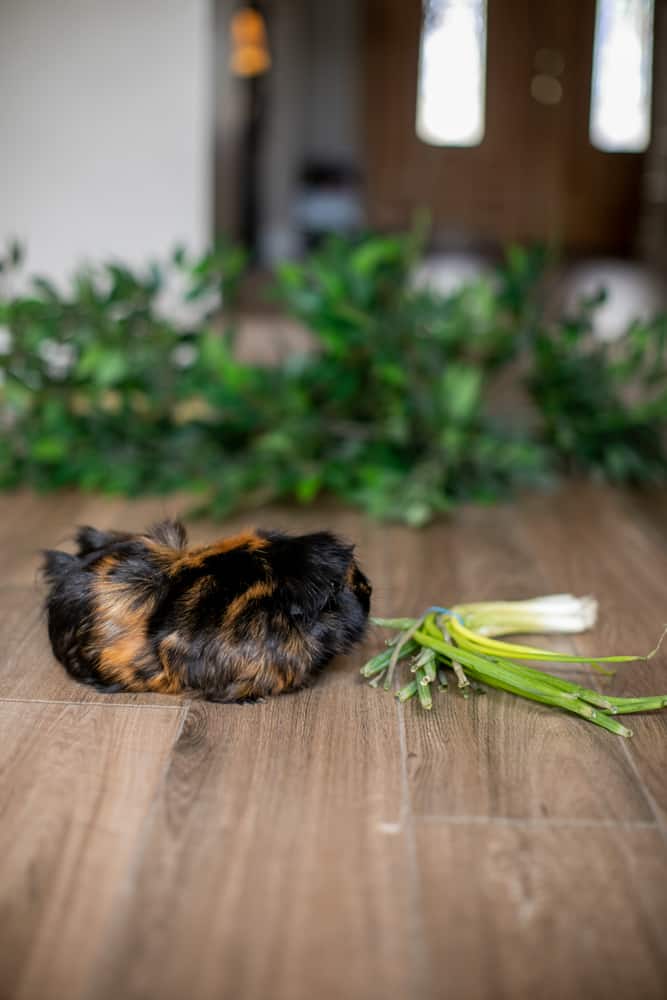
250	48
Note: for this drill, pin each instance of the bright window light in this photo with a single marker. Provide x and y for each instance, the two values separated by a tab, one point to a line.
622	71
452	73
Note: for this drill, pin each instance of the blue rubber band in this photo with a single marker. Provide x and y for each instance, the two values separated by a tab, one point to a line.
444	611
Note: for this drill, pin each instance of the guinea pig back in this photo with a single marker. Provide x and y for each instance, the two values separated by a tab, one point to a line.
246	617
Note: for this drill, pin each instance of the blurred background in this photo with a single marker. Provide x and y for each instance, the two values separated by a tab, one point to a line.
398	260
132	125
135	127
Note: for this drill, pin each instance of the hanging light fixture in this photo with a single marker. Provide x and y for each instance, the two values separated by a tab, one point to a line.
250	48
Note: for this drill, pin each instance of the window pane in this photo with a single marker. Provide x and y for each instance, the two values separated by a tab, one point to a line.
452	73
622	69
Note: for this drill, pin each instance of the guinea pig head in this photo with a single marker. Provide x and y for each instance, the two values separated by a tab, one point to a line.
322	588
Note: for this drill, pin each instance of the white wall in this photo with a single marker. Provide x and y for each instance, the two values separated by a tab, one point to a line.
105	128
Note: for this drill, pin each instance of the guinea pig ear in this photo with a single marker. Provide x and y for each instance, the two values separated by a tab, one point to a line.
56	565
171	533
91	539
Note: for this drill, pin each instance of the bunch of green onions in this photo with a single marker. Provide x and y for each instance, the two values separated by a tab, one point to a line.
461	641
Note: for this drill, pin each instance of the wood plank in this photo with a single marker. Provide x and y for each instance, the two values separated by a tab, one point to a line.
28	669
648	509
522	911
590	543
30	523
76	787
498	755
270	850
277	864
30	672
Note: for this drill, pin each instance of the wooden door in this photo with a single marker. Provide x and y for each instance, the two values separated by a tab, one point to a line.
535	175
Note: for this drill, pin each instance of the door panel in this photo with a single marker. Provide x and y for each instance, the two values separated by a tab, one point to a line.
535	174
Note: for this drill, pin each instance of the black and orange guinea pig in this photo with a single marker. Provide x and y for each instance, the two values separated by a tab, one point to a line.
249	616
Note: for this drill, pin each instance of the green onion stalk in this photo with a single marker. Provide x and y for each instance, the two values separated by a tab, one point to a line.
463	641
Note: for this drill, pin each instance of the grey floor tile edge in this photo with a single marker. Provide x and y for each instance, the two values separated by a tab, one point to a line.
646	791
128	881
422	977
541	822
92	704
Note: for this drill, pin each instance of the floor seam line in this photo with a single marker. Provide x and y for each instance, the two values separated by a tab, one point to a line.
595	683
422	977
540	823
135	860
83	704
646	791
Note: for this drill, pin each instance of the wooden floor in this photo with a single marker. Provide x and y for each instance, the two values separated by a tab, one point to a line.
332	843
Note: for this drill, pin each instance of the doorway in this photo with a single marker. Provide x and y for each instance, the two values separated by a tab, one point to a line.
535	174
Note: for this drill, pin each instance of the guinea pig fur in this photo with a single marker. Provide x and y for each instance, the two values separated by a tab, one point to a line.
246	617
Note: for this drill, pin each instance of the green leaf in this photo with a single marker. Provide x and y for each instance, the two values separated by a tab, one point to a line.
49	449
460	392
104	366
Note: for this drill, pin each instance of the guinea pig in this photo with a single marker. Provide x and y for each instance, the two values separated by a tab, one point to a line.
249	616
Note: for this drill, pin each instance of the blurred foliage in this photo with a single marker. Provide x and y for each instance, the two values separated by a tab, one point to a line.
603	404
130	383
396	388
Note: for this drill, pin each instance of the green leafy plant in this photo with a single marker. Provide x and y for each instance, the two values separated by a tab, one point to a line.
130	382
112	385
397	382
603	404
